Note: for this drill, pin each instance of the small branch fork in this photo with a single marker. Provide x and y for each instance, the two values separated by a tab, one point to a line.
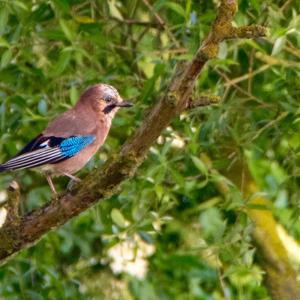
203	101
104	182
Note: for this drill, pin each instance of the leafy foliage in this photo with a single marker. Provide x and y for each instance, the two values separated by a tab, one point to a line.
52	50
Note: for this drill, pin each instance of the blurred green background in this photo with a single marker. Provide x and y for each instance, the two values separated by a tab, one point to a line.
170	234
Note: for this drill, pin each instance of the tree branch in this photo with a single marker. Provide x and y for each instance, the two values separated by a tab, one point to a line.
10	230
102	183
203	101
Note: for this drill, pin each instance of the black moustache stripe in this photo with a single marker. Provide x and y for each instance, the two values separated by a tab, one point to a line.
109	108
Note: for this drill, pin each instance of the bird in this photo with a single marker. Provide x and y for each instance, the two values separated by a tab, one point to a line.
72	138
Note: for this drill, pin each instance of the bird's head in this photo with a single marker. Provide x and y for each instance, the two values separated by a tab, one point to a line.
104	99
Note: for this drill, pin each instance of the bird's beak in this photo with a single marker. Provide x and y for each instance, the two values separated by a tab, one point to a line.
124	104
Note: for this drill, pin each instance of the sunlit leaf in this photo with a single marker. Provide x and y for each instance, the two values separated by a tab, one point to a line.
68	29
199	164
278	45
118	218
114	11
84	19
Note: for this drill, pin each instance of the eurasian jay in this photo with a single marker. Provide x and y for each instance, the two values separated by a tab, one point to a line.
71	139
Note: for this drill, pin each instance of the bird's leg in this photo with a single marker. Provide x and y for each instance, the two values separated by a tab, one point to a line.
74	178
49	179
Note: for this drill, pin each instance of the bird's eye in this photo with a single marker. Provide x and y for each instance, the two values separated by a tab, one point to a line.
108	99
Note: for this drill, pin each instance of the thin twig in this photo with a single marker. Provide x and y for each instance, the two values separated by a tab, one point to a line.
138	22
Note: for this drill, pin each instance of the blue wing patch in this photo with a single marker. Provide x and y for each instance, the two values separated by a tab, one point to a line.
73	145
47	150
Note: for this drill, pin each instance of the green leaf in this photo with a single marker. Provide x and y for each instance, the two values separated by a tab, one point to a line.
68	29
150	83
3	43
6	58
74	95
62	63
84	19
209	203
113	9
118	218
256	5
278	45
159	191
199	165
20	4
212	223
4	14
177	177
176	8
62	5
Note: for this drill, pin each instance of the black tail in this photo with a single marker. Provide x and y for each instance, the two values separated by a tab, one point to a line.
2	169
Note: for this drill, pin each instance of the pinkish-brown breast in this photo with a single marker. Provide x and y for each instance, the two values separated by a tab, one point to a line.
78	122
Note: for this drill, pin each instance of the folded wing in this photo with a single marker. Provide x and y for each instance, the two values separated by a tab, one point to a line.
47	150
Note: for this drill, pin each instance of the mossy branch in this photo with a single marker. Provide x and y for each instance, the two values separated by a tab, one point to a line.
105	181
203	101
10	229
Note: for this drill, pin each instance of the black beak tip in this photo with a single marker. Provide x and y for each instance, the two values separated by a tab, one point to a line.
126	104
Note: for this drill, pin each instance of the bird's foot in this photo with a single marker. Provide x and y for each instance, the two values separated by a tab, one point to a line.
71	184
74	178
